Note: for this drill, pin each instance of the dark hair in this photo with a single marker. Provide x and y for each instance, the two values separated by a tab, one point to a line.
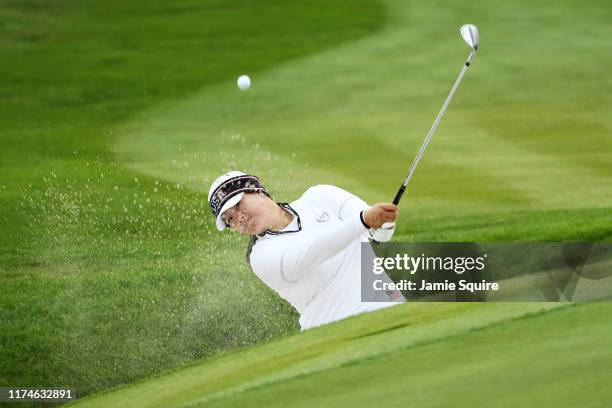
252	241
253	238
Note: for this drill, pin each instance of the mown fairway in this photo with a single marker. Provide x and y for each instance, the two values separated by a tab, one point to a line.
108	274
115	118
494	354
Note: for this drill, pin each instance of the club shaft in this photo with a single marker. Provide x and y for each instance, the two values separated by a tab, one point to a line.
402	188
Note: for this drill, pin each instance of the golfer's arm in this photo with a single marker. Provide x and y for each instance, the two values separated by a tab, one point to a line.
297	259
342	203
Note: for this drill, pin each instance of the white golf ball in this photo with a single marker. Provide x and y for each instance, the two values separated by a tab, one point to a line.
244	82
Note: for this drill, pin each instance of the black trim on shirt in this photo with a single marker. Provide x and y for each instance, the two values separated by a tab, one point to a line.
363	220
286	206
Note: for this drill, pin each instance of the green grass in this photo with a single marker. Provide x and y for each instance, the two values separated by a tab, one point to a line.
115	118
107	274
433	354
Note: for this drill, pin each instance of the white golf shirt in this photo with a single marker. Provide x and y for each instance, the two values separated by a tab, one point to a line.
318	269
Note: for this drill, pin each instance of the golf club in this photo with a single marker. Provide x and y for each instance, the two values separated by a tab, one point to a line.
469	32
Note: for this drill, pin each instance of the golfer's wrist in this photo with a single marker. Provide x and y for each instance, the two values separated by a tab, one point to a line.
363	221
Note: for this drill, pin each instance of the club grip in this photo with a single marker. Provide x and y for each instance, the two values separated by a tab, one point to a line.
396	201
399	194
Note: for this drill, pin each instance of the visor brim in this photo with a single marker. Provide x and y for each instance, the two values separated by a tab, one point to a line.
229	204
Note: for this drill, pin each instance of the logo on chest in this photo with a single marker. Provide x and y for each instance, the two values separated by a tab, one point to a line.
324	217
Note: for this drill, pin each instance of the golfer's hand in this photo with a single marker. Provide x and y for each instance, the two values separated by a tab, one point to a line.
384	233
380	213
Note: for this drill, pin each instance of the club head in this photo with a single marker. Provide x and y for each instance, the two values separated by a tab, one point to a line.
469	32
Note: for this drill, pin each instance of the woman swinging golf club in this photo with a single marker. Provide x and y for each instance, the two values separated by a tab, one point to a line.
307	251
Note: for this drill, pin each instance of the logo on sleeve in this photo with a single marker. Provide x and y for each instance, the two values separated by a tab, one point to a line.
324	217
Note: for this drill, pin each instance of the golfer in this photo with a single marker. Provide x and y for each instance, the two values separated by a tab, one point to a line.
309	250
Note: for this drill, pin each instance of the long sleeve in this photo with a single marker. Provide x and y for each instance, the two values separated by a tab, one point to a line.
296	259
288	264
342	203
